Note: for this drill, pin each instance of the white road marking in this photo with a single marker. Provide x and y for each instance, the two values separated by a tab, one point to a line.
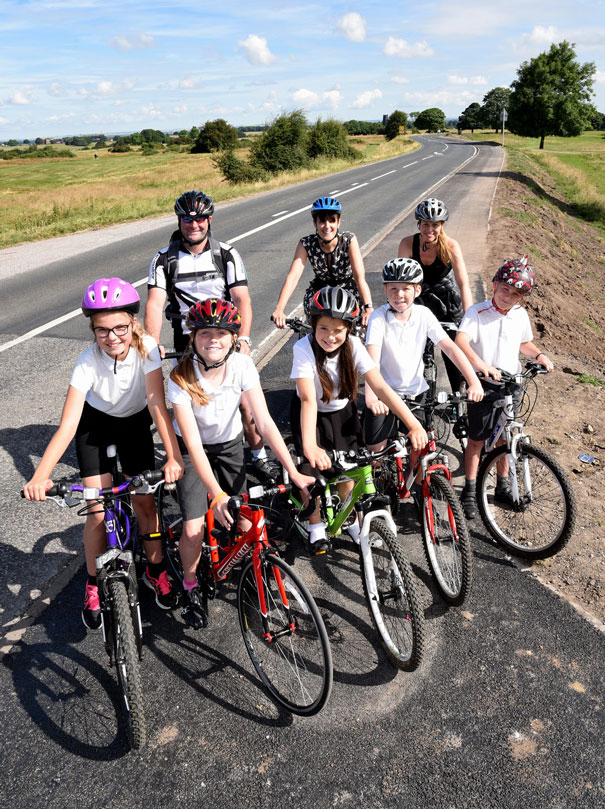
427	158
383	175
438	154
409	164
337	191
280	213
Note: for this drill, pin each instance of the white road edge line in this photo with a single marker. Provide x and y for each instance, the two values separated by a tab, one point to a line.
279	213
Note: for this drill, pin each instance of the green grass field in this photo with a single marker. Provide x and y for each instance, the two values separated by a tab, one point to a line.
51	197
586	142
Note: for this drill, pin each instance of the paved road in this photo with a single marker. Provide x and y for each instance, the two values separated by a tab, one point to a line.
506	711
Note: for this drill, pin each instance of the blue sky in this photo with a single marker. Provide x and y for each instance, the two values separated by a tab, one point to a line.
83	66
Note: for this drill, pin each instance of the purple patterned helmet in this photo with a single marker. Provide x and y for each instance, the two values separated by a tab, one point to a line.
517	273
110	295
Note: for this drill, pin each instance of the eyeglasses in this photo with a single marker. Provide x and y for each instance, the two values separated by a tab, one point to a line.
189	219
119	331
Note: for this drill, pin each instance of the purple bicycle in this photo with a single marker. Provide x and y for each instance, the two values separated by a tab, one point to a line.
117	582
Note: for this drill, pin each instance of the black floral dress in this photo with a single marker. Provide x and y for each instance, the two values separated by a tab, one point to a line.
331	269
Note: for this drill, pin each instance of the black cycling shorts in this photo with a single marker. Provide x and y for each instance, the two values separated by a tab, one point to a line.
131	435
482	416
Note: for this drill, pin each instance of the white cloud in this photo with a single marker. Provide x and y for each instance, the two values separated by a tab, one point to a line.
307	98
180	110
353	26
457	79
406	50
599	77
400	80
138	42
21	97
478	80
106	88
188	83
473	18
3	120
256	50
541	35
55	89
441	98
367	98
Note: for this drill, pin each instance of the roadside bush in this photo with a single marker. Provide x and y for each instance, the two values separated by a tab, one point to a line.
330	139
215	136
237	171
121	147
282	146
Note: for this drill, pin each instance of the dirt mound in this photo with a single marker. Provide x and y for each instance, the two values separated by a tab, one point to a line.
567	310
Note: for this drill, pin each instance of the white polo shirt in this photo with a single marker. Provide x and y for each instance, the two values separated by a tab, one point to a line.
402	344
115	388
304	366
219	421
496	336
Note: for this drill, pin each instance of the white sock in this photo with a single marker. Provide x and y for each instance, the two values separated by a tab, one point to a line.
259	454
354	531
317	531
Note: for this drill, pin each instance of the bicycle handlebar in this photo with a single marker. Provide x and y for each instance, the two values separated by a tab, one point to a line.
147	481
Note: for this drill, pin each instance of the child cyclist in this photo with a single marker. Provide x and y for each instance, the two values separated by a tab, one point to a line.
491	335
396	337
206	388
116	389
325	366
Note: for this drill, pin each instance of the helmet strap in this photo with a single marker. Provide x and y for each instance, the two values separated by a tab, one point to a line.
214	365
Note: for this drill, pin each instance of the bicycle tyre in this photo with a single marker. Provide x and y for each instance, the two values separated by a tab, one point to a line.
126	661
171	526
543	523
450	557
386	481
296	666
396	613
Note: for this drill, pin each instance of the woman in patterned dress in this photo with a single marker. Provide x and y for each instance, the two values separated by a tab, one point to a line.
335	259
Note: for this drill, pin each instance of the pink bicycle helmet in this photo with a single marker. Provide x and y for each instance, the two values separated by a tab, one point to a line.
110	295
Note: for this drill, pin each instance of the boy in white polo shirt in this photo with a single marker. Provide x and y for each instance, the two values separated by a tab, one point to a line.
491	335
396	336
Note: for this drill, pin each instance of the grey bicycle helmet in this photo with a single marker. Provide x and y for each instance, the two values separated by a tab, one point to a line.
402	271
432	210
335	302
194	203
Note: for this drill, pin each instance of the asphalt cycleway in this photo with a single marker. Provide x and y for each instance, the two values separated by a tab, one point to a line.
506	710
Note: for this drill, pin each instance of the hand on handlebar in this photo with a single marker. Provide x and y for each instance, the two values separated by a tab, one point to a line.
36	489
303	483
173	470
475	392
221	513
418	437
318	458
279	318
489	370
378	408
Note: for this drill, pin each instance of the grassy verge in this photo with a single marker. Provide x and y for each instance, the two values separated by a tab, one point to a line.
44	198
586	142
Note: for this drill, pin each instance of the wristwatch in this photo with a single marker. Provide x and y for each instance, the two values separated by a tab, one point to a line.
244	338
367	306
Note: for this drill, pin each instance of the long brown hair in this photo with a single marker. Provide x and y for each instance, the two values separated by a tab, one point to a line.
347	373
443	251
138	332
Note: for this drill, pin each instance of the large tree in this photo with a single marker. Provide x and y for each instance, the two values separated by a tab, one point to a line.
494	101
215	136
431	119
551	94
471	118
394	121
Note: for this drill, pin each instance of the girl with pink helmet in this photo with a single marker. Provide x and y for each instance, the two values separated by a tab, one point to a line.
116	390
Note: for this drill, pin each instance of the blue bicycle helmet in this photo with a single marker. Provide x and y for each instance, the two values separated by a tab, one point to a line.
326	204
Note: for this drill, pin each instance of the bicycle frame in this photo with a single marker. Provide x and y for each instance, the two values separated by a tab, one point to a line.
254	542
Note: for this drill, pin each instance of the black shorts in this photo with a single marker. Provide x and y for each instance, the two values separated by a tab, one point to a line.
336	429
382	428
228	464
482	416
131	435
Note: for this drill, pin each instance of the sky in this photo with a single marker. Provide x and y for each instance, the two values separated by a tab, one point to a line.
71	67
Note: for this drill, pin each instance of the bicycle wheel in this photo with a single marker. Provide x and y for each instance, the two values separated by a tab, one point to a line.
447	544
386	481
542	523
394	606
171	526
289	648
126	661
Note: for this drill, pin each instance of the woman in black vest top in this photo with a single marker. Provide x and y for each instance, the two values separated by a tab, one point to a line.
445	289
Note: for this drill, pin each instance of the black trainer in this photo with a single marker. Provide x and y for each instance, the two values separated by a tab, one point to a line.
268	469
194	610
504	495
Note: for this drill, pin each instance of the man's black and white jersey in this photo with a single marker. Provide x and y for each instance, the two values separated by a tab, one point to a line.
188	278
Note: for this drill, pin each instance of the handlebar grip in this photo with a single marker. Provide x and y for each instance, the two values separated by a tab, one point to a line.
153	475
172	355
316	490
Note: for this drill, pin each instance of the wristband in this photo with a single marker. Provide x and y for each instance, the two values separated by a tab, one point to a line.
215	500
244	338
540	354
367	306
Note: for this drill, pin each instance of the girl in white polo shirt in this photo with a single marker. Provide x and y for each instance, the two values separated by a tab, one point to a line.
206	389
116	389
323	416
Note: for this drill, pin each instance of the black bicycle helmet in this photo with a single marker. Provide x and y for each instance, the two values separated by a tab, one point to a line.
402	271
335	302
194	203
432	210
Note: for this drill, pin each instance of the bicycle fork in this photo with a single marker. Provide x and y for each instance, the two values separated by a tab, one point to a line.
366	554
259	566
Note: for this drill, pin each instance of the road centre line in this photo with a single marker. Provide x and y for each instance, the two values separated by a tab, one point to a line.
407	165
280	213
383	175
331	193
427	158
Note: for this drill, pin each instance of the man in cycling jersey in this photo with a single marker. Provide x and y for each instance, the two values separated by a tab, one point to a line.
194	267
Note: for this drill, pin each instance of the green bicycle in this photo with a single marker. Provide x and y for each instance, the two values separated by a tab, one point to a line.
387	577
